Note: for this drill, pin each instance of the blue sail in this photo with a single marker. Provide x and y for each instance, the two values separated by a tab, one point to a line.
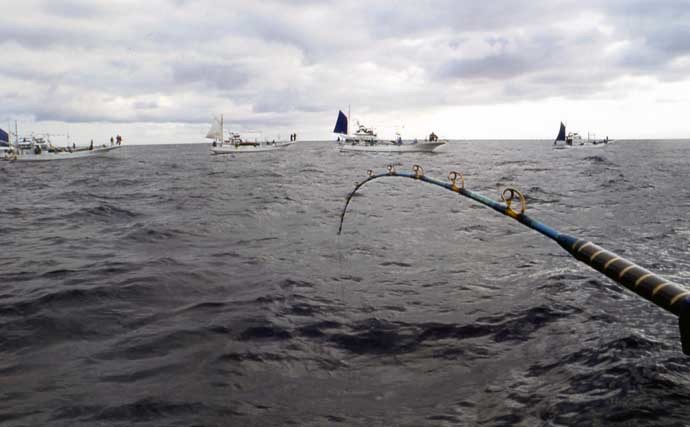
561	133
4	138
341	124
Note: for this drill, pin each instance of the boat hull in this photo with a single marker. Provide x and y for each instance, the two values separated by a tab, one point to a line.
46	156
420	147
582	145
238	149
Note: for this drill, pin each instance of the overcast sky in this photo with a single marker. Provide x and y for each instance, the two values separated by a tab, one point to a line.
157	70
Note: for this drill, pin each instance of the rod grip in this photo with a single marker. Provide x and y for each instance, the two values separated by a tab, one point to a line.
667	295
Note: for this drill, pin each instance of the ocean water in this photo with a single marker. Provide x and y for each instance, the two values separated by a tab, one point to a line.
165	287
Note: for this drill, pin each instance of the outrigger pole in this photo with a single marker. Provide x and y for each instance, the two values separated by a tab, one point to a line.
667	295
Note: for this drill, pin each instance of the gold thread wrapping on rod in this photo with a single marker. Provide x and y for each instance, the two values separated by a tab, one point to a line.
391	170
572	248
625	270
595	254
611	261
679	297
418	171
511	192
659	287
584	245
370	173
642	279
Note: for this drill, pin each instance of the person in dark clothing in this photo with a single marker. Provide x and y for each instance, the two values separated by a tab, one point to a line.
91	145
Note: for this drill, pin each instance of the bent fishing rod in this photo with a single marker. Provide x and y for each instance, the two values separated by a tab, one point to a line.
666	294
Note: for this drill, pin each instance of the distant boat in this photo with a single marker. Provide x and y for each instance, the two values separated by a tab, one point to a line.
573	139
365	139
592	139
234	144
39	149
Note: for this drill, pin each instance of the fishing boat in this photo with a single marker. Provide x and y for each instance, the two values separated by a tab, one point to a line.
560	141
235	144
592	139
563	141
574	139
365	139
40	149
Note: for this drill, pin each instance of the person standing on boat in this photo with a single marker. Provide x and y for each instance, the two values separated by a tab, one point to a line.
112	141
119	140
91	145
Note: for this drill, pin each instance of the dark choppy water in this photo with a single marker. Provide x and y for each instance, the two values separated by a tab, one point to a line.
165	287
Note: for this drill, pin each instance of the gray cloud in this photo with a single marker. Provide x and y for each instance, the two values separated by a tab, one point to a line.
211	75
272	62
489	67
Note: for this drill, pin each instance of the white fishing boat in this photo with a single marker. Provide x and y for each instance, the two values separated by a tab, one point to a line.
365	139
592	139
41	149
573	139
235	144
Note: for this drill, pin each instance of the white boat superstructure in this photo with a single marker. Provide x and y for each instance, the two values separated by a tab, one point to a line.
363	135
235	144
574	138
365	140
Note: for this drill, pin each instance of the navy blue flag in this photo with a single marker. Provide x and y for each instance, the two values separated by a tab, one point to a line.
561	133
341	124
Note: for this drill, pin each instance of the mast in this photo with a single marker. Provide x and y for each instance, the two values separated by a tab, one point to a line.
221	129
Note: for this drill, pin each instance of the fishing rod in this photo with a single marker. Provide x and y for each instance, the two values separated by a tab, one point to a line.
666	294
